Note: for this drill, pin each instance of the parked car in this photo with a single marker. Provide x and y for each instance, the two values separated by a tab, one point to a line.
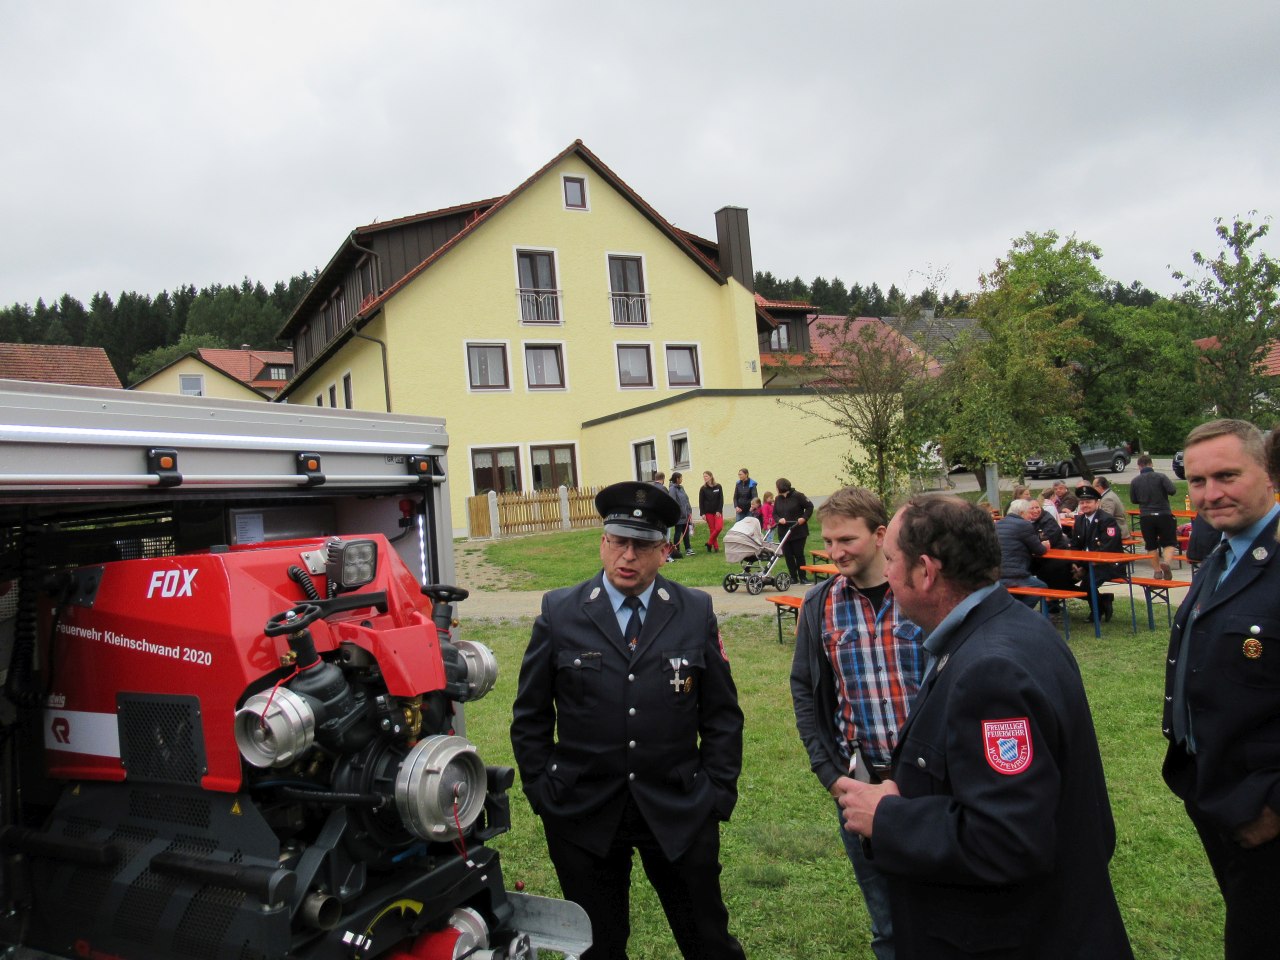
1099	456
1179	470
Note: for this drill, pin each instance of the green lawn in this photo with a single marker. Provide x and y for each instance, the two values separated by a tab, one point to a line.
790	890
547	561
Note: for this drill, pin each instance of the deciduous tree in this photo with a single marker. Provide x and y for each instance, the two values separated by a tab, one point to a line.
1237	292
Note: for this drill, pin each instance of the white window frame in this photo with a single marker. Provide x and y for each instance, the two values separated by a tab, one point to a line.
191	376
617	365
522	462
646	293
558	289
527	451
564	365
657	464
586	192
466	364
672	437
697	361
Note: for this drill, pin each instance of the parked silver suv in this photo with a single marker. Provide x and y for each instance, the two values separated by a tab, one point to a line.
1099	456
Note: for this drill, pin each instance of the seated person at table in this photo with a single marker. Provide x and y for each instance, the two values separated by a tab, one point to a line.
1064	501
1095	530
1055	573
1047	504
1019	544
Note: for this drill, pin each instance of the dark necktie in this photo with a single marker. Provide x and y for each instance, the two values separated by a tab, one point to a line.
1211	573
632	632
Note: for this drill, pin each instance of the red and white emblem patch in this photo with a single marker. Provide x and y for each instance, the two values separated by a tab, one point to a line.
1111	531
1007	745
720	640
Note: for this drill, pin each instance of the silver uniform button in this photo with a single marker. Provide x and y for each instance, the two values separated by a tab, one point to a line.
631	678
920	762
631	745
577	663
631	712
554	767
631	776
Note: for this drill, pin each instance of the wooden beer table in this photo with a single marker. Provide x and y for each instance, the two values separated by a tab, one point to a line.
1090	558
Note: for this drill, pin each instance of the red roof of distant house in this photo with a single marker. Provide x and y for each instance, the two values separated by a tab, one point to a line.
822	341
1270	361
57	363
251	367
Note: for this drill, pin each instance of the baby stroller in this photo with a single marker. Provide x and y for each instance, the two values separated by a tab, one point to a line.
745	544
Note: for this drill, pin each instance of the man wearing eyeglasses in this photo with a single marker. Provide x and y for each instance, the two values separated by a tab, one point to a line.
628	735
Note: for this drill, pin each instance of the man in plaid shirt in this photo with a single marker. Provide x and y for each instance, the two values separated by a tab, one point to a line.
856	670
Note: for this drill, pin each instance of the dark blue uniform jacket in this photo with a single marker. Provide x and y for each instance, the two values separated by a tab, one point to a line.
1000	843
591	721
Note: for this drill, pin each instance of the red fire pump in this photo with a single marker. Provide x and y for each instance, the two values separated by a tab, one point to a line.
260	758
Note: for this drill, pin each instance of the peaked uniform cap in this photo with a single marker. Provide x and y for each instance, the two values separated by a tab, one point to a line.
643	511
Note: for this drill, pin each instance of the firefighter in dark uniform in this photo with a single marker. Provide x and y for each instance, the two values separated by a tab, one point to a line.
628	735
1095	530
994	830
1222	684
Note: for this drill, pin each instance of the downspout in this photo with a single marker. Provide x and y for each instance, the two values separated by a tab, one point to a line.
386	371
386	377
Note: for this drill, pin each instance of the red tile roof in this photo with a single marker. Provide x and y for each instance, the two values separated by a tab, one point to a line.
249	366
1270	360
57	363
824	341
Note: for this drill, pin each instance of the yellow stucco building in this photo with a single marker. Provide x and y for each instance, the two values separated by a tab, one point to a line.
567	333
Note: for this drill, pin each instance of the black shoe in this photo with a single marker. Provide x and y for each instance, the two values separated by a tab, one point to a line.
1107	603
708	546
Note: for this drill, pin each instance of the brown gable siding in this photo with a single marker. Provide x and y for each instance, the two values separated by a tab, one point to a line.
57	363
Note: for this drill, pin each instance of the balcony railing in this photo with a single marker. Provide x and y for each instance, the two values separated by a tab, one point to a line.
539	306
630	309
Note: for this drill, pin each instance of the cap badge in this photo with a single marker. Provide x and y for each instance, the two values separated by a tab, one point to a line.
637	513
1253	648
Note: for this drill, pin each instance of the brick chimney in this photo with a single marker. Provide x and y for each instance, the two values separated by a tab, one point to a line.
734	239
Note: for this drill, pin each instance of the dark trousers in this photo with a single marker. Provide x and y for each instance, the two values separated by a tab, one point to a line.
689	889
1250	885
793	553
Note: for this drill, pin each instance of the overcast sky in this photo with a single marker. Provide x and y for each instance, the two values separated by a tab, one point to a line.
152	143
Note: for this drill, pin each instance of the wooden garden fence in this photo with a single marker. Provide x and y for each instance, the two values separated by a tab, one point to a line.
510	514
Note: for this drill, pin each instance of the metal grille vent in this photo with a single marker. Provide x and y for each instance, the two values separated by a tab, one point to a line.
77	828
143	905
205	922
194	846
161	739
184	811
131	841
